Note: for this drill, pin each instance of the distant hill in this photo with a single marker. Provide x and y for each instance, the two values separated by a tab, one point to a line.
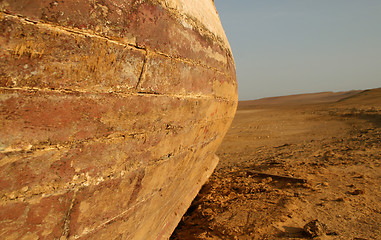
308	98
366	97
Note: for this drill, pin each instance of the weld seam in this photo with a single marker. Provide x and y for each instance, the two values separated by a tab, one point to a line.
66	227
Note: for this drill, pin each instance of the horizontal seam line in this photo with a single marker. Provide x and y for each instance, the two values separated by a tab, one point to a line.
122	94
111	137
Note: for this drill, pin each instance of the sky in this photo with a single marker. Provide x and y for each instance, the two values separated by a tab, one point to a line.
284	47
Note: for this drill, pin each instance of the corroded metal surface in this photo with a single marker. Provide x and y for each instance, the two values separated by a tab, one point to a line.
110	115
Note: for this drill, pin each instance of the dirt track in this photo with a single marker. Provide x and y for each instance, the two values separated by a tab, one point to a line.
284	164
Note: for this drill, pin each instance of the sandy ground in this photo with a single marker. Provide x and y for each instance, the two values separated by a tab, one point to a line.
286	163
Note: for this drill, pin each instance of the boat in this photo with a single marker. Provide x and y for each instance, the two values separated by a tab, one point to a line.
111	112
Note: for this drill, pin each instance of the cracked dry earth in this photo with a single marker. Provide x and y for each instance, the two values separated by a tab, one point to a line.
283	166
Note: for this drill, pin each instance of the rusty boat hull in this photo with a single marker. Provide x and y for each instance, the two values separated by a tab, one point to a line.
111	112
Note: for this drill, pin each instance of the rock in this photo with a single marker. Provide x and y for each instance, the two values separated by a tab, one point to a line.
314	229
356	192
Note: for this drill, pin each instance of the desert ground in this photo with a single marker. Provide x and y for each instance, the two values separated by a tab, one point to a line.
296	167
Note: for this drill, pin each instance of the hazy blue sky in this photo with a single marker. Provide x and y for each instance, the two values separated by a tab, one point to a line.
285	47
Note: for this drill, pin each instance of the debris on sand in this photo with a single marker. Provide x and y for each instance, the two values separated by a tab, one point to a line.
273	176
